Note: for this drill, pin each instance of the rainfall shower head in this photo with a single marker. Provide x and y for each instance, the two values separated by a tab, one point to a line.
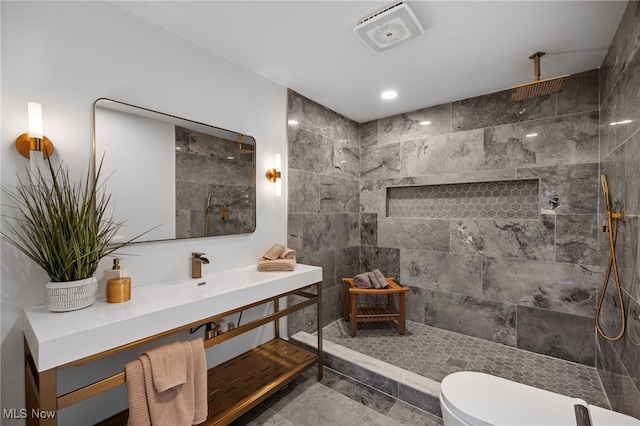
242	146
538	87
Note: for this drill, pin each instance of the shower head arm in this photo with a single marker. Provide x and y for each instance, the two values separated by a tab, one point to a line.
536	64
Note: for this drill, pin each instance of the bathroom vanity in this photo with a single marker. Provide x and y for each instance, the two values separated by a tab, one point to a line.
54	341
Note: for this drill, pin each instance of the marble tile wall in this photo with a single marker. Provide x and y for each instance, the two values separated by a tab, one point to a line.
323	189
618	362
529	282
199	160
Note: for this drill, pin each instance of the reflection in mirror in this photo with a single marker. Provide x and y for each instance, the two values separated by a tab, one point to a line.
184	178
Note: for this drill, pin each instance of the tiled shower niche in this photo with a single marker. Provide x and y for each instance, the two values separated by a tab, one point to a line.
512	199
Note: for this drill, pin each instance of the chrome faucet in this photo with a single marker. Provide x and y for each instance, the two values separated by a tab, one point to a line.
196	264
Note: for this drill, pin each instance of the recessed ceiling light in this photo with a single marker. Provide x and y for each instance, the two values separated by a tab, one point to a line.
389	94
292	122
425	123
531	135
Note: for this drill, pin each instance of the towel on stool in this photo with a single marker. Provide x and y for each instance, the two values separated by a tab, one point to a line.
184	404
380	280
277	265
374	279
274	252
362	280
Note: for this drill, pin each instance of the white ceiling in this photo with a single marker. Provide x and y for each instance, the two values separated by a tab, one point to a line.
469	48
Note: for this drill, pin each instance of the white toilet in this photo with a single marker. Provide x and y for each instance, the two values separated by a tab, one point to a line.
478	399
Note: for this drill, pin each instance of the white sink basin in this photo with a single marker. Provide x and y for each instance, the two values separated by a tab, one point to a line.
213	283
235	277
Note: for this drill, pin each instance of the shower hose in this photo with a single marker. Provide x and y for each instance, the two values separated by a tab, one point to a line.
612	227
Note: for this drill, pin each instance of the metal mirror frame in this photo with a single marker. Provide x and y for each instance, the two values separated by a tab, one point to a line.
218	210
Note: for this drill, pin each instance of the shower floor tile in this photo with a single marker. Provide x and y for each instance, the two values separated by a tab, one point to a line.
435	353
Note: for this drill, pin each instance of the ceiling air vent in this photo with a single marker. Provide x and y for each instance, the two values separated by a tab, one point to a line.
389	27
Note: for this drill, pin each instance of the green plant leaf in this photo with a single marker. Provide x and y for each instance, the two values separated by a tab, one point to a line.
62	225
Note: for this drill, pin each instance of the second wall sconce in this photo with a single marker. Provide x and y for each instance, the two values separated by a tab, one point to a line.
274	175
34	140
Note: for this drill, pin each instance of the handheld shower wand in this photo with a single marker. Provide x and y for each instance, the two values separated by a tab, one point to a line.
207	216
612	228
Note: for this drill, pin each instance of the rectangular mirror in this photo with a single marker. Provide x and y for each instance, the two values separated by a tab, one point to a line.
185	178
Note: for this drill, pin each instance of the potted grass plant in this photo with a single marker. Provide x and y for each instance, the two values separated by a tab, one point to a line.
64	227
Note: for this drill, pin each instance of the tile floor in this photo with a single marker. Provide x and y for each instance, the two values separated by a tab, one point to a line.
336	400
434	353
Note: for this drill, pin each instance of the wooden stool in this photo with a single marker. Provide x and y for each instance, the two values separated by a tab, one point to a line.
354	313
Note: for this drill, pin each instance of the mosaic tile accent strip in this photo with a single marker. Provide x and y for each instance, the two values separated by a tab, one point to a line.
435	353
516	199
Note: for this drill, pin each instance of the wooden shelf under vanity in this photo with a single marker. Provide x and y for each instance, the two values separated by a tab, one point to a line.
234	387
265	369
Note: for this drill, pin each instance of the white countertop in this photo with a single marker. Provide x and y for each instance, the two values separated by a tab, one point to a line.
57	338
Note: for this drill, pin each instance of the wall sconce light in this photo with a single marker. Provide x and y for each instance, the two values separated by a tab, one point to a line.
34	140
274	175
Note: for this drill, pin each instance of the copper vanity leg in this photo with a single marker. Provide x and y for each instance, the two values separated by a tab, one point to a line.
30	384
48	398
276	323
45	413
40	393
320	350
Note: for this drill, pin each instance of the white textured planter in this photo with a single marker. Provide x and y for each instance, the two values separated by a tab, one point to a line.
72	295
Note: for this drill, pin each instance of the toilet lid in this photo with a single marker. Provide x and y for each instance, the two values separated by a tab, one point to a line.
482	400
